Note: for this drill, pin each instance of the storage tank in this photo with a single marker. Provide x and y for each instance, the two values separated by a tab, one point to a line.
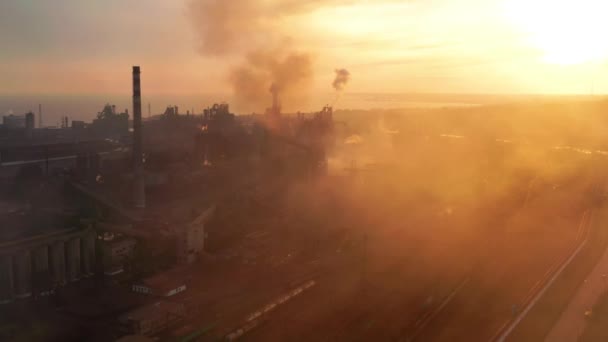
73	260
6	279
22	263
41	276
88	253
57	263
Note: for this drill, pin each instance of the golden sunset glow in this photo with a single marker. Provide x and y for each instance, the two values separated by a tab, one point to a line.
304	170
520	46
566	32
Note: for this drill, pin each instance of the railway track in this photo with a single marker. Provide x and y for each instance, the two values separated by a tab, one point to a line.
541	286
424	321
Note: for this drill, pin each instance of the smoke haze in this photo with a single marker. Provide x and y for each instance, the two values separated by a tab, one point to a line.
289	71
225	27
341	80
246	29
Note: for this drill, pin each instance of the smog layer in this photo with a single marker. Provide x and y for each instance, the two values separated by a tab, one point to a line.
456	218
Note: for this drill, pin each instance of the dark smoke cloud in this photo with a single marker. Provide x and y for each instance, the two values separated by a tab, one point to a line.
341	80
289	71
247	28
228	26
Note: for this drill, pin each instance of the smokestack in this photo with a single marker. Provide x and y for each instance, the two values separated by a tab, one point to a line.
276	106
39	115
139	194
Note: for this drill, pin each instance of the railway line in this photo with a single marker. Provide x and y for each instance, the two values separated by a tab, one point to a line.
543	284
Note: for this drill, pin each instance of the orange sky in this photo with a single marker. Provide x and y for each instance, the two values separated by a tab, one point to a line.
479	46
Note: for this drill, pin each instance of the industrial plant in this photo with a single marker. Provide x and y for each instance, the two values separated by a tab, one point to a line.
140	204
330	225
284	170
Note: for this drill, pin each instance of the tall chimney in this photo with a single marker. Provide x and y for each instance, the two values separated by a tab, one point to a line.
276	105
139	193
39	115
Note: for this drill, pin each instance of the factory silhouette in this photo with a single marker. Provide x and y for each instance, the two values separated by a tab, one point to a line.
323	170
95	194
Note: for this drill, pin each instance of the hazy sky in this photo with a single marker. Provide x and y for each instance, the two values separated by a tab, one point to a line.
487	46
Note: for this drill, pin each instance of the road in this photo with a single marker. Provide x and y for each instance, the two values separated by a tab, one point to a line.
571	323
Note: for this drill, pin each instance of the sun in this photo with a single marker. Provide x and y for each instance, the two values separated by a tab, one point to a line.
567	32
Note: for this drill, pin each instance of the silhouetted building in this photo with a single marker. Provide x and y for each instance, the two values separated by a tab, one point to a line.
78	125
29	124
139	191
273	119
165	284
35	258
191	237
14	121
110	124
171	111
29	120
153	318
115	252
218	112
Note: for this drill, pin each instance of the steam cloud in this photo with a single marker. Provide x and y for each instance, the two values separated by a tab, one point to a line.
341	80
247	28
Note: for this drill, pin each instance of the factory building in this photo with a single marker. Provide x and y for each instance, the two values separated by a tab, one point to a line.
191	237
115	251
35	265
14	121
166	284
152	318
29	125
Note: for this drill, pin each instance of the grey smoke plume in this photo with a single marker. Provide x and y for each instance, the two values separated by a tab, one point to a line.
341	80
247	28
289	71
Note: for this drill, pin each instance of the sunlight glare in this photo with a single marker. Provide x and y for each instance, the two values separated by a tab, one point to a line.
566	32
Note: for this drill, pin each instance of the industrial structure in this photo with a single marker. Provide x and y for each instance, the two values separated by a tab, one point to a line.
40	115
166	284
207	226
115	250
139	196
216	136
152	198
152	318
273	118
37	263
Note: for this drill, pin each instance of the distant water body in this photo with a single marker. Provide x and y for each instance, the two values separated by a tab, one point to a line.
85	107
